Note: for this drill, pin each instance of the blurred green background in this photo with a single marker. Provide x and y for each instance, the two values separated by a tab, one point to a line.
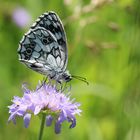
104	46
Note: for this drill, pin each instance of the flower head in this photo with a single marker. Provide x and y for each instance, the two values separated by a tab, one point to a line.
21	17
47	99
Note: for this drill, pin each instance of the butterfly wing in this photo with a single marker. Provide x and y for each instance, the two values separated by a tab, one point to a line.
40	51
51	22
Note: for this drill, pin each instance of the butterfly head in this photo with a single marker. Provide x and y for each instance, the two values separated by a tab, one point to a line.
66	76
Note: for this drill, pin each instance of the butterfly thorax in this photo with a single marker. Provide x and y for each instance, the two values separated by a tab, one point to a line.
61	76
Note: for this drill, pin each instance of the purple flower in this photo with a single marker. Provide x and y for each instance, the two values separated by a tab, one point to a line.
21	17
47	99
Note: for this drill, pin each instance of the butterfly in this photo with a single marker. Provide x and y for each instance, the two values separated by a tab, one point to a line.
44	48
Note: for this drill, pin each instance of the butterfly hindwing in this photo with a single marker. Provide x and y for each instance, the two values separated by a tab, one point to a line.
40	51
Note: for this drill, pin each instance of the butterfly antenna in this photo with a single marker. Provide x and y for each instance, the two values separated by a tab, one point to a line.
80	78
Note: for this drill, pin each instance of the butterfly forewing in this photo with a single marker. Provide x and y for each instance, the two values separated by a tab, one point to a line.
51	22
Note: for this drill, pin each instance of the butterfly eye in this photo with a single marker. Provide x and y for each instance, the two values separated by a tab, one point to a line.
67	78
28	51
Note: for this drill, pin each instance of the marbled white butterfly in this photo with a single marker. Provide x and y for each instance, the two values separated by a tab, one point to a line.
44	48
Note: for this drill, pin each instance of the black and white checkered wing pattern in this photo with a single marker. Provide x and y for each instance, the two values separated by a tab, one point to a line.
51	22
43	48
40	51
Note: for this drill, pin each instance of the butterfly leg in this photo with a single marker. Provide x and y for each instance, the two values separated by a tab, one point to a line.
43	82
68	88
57	85
63	87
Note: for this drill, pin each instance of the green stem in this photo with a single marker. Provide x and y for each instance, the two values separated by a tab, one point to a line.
42	127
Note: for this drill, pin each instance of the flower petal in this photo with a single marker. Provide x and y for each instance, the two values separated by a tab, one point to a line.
37	110
27	118
12	119
49	120
24	88
57	127
73	122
